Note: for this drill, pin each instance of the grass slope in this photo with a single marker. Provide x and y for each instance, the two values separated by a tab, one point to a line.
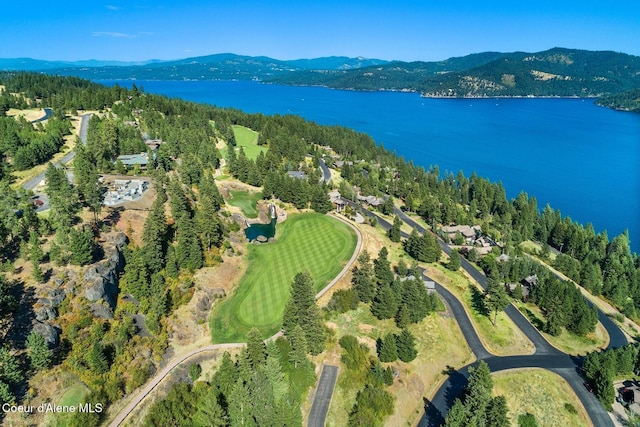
248	140
246	201
542	393
309	242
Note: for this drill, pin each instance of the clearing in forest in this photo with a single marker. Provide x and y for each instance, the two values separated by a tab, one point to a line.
248	140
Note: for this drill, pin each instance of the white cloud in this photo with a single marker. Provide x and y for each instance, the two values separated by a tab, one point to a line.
110	34
118	35
112	7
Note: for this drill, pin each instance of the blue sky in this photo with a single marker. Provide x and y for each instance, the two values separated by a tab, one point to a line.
406	30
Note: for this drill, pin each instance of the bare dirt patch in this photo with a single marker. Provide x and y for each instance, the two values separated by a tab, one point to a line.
188	324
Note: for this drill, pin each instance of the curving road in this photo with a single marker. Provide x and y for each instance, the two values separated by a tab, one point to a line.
173	363
546	356
84	126
326	174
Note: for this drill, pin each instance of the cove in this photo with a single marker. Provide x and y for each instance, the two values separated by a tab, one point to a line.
569	153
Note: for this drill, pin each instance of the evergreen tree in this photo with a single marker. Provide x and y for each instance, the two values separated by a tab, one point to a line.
384	305
387	206
209	413
209	225
96	359
274	374
10	372
454	261
256	350
240	406
188	250
39	353
81	246
457	415
497	412
63	198
320	200
394	232
226	375
302	310
299	350
362	278
87	180
479	391
496	299
405	343
388	352
154	236
382	268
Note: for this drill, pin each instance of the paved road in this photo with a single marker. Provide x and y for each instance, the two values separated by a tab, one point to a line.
326	174
322	400
172	364
546	356
48	112
157	379
84	125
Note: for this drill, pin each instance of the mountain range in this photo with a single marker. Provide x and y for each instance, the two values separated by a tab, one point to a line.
554	72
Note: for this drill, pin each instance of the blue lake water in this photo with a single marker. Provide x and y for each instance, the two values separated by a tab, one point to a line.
570	153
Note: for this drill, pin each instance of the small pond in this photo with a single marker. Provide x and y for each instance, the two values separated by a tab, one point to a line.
255	230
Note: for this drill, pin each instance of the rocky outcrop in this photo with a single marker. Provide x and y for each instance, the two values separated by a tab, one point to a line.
101	278
51	334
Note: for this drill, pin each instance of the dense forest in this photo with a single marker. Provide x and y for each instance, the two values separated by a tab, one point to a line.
185	230
626	101
555	72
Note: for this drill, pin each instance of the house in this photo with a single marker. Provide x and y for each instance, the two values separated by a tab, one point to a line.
629	396
153	143
470	233
337	201
297	174
503	258
371	200
525	290
531	280
130	160
430	285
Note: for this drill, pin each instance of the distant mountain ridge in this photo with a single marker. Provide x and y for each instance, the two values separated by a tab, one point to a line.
30	64
223	66
554	72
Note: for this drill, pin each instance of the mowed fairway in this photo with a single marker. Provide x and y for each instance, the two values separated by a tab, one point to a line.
318	244
245	201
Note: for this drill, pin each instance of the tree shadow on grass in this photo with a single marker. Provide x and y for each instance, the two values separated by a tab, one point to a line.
535	320
477	301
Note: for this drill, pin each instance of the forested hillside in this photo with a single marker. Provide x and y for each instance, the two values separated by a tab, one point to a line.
625	101
97	343
556	72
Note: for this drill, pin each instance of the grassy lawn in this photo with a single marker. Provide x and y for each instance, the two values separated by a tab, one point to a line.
71	397
503	339
566	342
248	140
439	342
541	393
318	244
246	201
535	248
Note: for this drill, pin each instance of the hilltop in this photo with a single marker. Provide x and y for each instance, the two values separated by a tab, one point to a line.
557	72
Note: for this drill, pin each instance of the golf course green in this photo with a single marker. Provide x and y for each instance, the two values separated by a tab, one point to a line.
311	242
